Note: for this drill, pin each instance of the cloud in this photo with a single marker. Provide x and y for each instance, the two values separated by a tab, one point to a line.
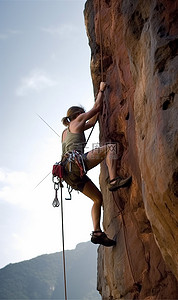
9	33
13	186
2	175
3	36
18	187
37	80
14	32
27	219
62	30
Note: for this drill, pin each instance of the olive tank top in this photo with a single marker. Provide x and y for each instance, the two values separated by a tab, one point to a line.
74	141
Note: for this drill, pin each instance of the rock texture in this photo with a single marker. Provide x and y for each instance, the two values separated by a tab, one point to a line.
139	46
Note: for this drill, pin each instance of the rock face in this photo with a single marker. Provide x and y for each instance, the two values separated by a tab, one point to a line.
138	40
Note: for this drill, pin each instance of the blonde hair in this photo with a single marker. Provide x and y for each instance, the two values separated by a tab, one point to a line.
72	113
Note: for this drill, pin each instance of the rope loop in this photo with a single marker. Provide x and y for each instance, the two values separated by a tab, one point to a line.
121	212
101	42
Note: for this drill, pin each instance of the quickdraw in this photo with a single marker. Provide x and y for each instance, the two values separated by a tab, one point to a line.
57	178
56	188
70	189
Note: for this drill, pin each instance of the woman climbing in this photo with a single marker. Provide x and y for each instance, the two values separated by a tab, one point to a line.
76	163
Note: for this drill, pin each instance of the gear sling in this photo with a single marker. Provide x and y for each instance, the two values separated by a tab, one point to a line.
71	160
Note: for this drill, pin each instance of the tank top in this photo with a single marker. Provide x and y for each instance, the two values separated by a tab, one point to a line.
74	141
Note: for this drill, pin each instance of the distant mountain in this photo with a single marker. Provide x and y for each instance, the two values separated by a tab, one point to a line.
42	277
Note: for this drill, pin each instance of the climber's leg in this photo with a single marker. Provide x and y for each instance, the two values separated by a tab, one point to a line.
98	237
91	191
109	152
111	161
96	156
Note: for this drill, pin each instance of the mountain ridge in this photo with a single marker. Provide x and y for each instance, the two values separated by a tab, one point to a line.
42	277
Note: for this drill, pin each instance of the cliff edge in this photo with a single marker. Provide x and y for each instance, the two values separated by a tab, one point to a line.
139	46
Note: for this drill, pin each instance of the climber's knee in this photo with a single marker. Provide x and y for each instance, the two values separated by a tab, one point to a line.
111	150
90	190
98	200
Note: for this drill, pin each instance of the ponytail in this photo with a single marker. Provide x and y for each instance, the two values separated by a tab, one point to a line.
65	121
72	113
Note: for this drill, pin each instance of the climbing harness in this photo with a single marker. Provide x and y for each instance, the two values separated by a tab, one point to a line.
57	172
71	157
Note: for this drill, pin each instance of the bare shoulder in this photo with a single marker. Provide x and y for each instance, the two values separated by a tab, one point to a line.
64	134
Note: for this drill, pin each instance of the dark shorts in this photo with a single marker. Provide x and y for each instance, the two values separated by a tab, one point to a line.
73	177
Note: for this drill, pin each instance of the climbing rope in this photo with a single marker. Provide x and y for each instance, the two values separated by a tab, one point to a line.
101	42
58	183
101	59
63	248
120	210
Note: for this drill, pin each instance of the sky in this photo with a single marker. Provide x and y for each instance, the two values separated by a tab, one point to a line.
45	69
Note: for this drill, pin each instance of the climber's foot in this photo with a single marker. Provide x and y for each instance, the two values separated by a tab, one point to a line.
118	183
102	239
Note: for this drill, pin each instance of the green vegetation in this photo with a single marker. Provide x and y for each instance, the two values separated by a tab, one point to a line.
42	277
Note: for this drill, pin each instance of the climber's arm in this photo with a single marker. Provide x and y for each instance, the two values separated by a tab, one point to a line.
92	114
91	121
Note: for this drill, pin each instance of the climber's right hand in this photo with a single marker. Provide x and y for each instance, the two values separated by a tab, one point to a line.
102	86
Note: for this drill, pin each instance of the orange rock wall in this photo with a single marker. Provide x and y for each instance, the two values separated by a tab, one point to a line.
139	49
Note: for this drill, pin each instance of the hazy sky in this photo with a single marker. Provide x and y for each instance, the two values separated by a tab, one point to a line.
44	58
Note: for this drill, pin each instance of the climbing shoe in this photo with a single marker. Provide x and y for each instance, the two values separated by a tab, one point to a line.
119	183
102	239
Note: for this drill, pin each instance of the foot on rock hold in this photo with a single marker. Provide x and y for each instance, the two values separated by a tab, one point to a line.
102	239
119	183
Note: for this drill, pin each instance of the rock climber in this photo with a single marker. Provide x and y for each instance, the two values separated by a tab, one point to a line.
77	163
